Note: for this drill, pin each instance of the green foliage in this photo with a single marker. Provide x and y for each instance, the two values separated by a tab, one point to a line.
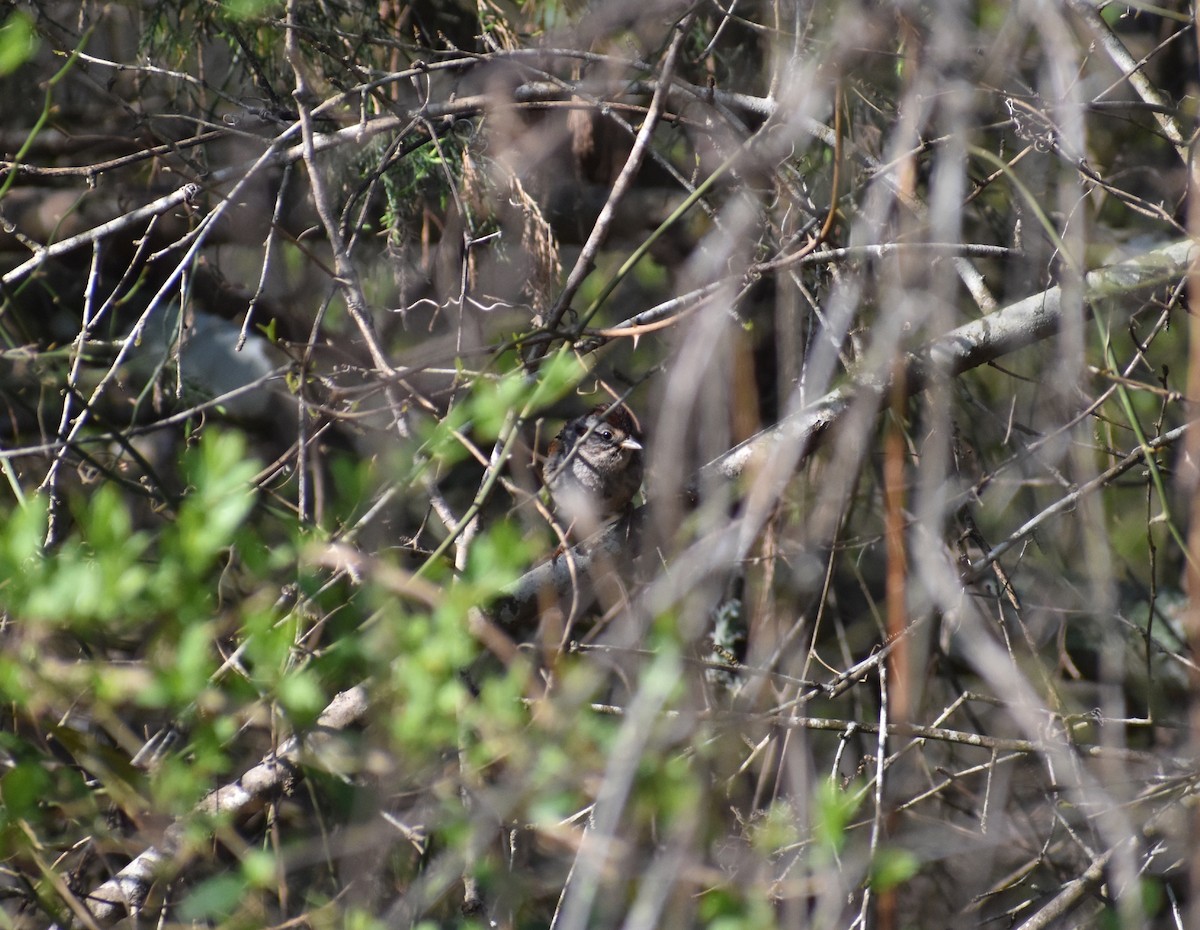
18	41
733	908
834	808
249	9
22	790
775	829
215	898
892	867
422	178
358	919
427	652
104	577
489	404
151	592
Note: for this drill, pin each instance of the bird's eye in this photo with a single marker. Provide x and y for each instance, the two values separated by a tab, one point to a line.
606	435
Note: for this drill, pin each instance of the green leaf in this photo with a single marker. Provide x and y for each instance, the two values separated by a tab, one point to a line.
260	868
183	674
494	562
835	808
248	9
560	374
301	696
18	42
892	867
220	500
270	330
215	898
22	790
21	541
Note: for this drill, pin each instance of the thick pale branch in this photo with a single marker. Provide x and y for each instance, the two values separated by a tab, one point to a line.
126	891
1013	327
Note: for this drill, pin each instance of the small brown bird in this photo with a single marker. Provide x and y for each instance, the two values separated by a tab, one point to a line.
595	466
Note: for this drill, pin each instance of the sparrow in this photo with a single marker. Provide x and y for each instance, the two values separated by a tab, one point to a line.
595	466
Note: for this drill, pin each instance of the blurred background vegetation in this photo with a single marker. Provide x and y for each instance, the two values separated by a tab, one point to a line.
294	294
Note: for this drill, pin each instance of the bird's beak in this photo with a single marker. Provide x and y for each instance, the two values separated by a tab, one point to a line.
631	444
